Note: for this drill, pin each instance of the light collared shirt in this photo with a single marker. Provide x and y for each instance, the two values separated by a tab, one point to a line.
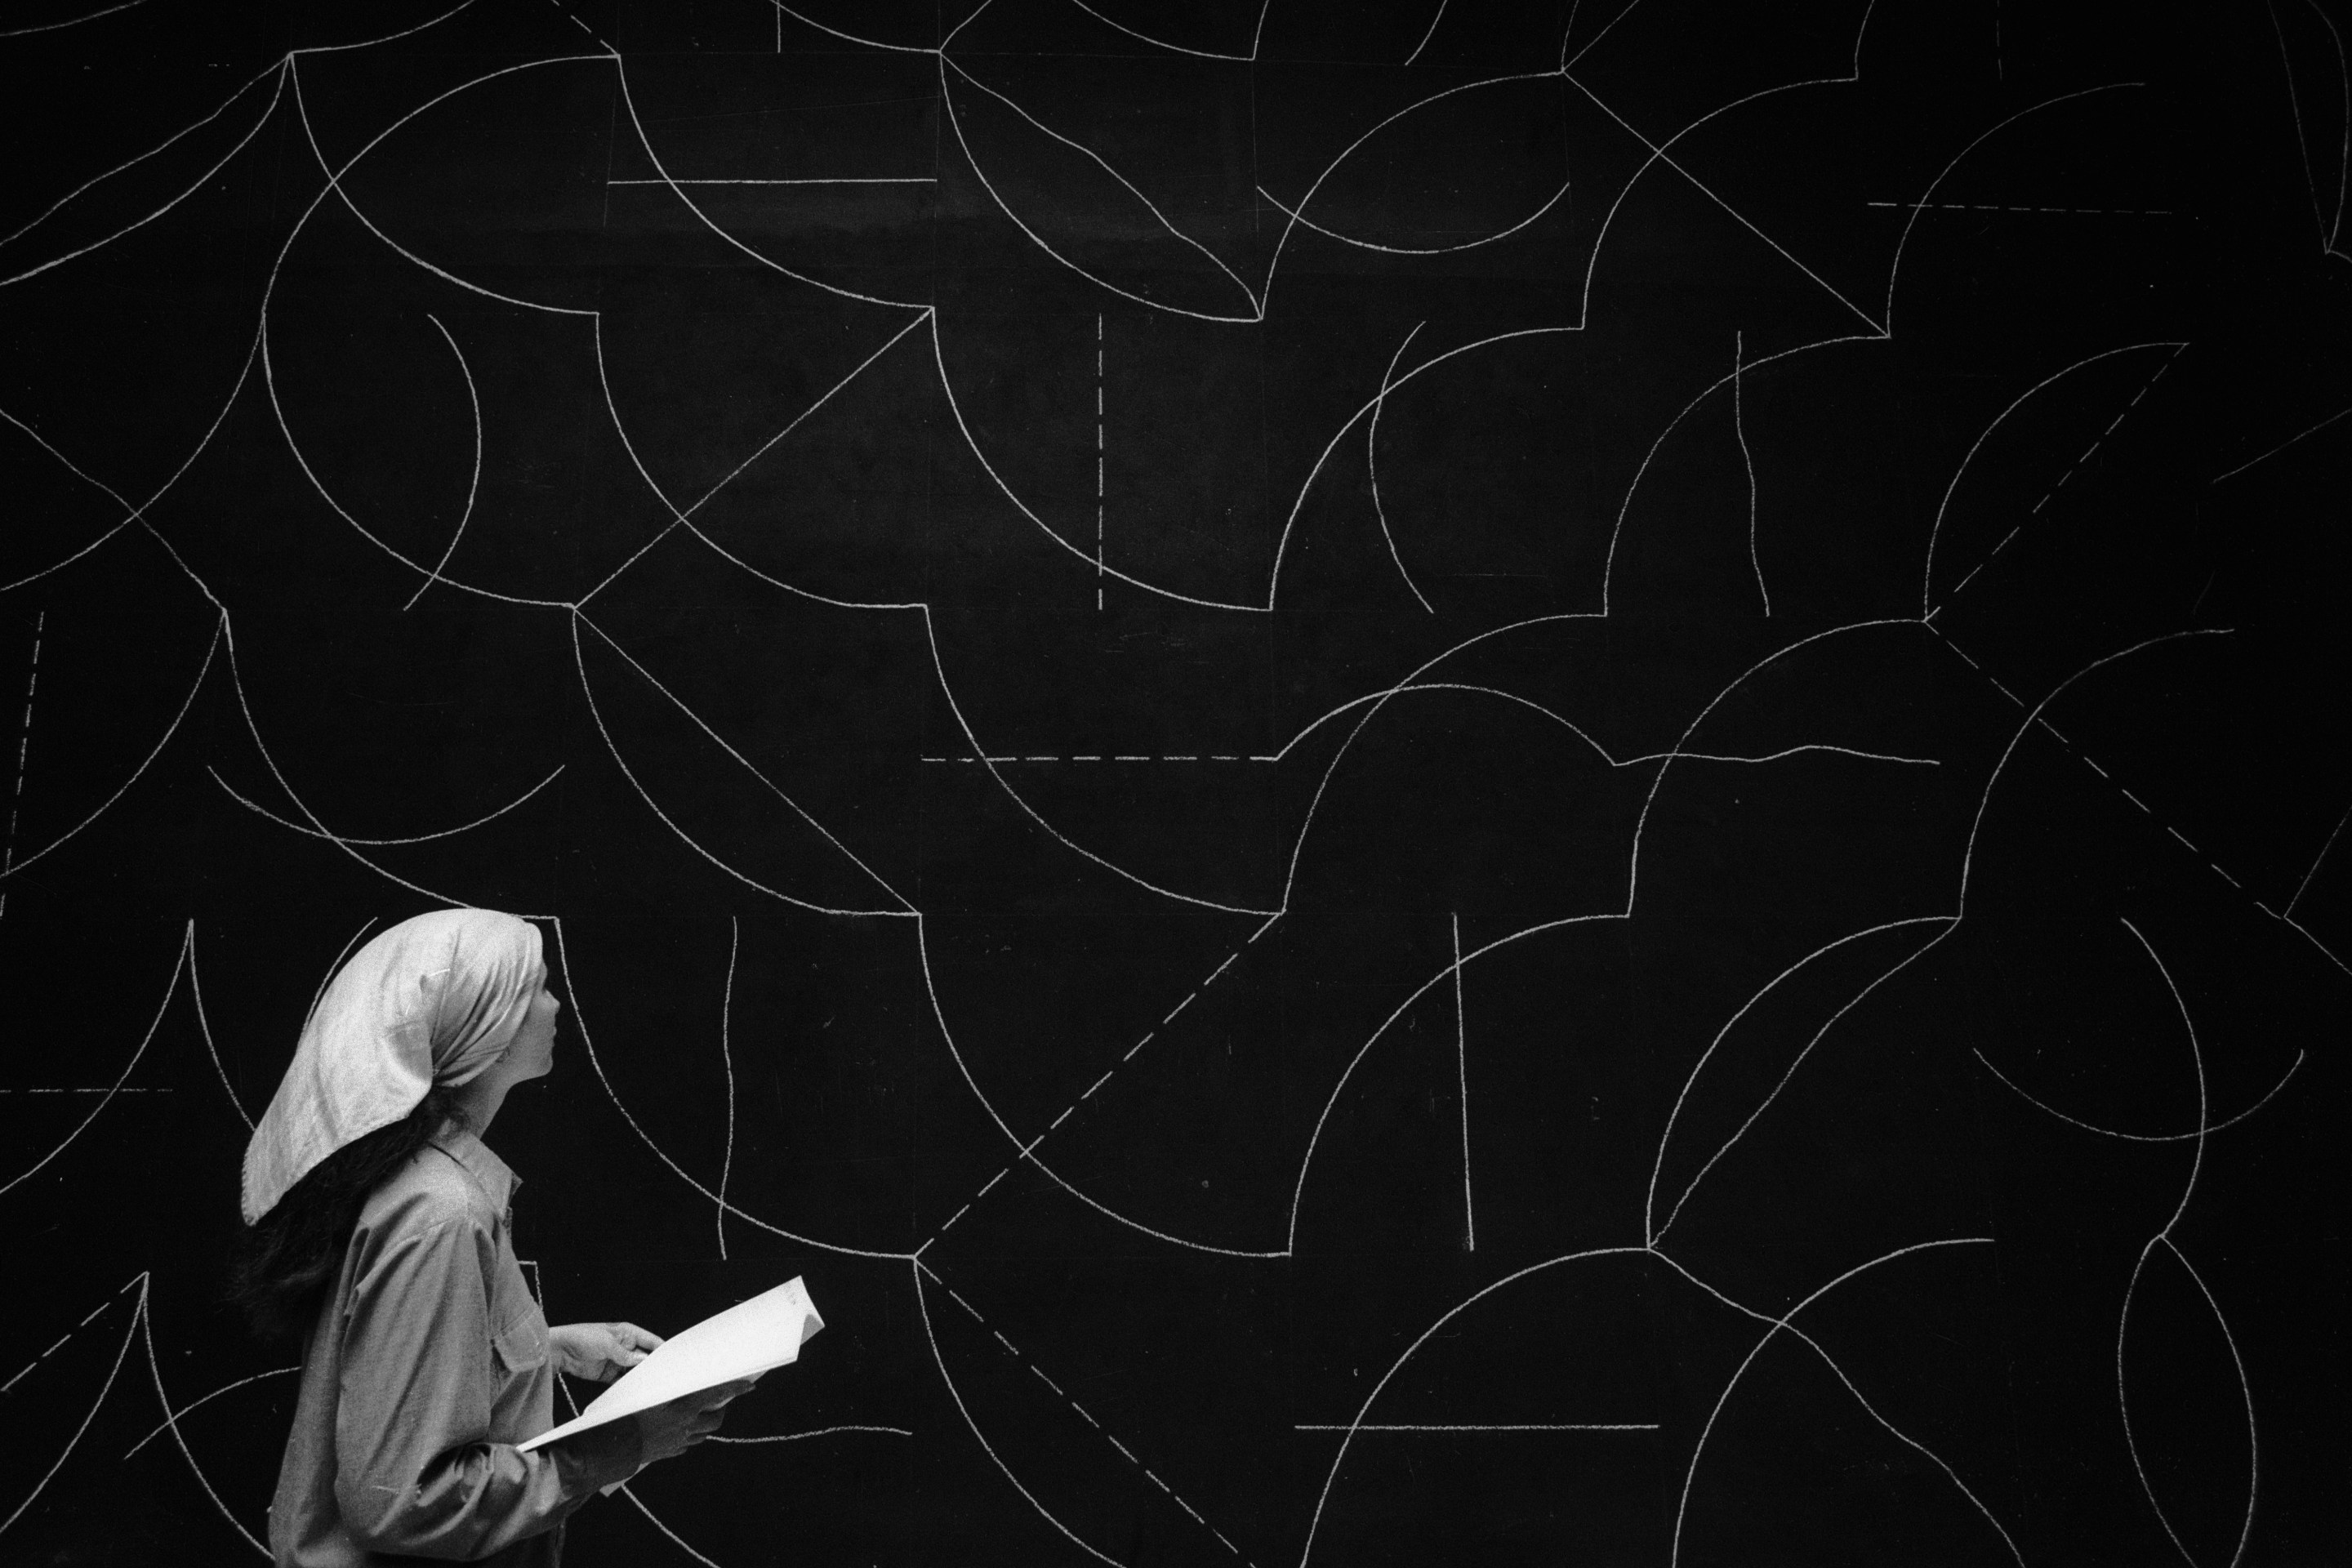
428	1362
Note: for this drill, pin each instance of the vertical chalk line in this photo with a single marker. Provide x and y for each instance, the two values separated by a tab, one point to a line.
1461	1064
23	750
1747	460
1098	460
727	1056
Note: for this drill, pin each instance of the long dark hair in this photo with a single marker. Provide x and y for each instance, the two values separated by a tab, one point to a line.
284	1262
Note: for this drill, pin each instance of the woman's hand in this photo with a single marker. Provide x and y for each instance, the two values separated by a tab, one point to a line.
668	1430
599	1350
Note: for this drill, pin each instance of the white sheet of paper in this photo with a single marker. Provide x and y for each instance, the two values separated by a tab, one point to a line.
746	1340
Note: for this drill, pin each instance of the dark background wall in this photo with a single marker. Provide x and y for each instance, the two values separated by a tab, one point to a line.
1475	784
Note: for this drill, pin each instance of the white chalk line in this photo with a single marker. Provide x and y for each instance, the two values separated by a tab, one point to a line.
1658	150
116	1371
24	752
2343	146
253	728
1428	32
1651	1229
166	1424
1365	411
1558	194
334	188
1109	1073
2193	1132
683	517
955	710
1411	686
817	1432
1927	198
2164	1238
955	121
70	21
336	968
881	180
473	485
955	407
2301	888
1445	972
727	1059
204	1025
1373	459
138	514
1148	38
103	1088
62	1340
1747	461
939	1013
1787	1325
260	810
1789	1073
14	865
2035	720
2326	232
644	140
280	70
145	1320
1680	752
335	177
1936	529
938	1358
1461	1068
1100	460
1331	1477
182	963
1658	154
580	658
2071	469
1011	1350
588	1045
1657	444
1478	1426
785	10
407	32
1999	207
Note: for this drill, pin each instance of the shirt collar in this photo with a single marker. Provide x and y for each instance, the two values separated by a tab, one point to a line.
490	1173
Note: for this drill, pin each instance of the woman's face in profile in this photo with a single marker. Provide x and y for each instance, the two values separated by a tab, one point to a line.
533	1051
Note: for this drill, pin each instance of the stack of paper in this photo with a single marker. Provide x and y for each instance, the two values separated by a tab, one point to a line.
756	1336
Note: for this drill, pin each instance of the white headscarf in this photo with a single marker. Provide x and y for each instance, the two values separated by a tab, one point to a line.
432	1001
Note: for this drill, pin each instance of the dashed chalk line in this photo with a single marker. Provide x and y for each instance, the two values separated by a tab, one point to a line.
1108	1074
1125	1452
2071	469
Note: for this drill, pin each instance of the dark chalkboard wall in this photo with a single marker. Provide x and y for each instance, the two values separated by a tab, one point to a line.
1464	783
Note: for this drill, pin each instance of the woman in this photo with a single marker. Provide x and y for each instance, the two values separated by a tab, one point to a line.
378	1229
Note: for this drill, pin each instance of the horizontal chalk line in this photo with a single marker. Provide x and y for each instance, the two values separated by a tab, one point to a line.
1498	1426
1996	207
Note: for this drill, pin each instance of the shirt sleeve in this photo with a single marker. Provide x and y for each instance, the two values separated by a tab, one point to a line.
416	1470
